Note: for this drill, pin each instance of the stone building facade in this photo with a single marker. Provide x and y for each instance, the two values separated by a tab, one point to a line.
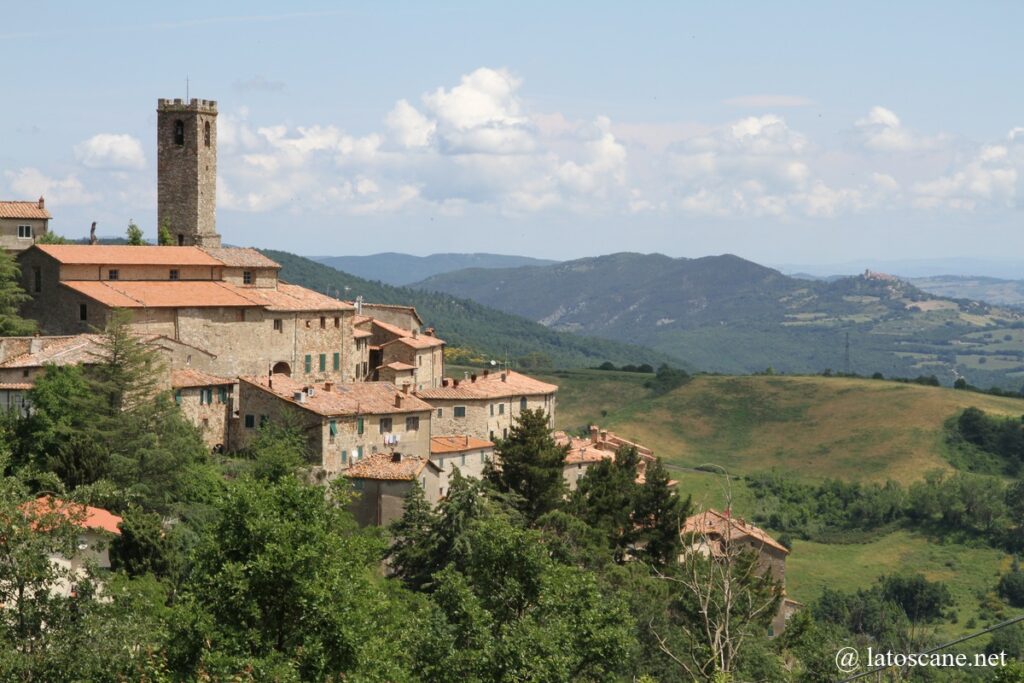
485	406
343	423
381	482
468	454
21	223
186	143
207	401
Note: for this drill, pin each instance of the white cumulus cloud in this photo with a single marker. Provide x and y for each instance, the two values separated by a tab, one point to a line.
111	151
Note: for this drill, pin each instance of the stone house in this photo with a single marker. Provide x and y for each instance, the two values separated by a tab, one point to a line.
485	406
190	296
382	480
599	445
21	223
207	401
715	534
97	528
344	423
468	454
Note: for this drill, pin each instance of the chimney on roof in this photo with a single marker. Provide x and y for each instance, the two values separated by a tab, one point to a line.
415	332
398	400
328	386
486	372
604	435
472	377
593	433
444	381
455	383
504	377
429	332
35	345
42	202
405	388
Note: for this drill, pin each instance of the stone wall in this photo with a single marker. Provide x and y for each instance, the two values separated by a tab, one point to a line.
429	363
469	464
9	240
261	277
76	271
210	418
485	418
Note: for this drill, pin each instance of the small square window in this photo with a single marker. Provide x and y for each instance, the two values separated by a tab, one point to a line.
323	323
460	411
112	274
173	274
250	421
440	412
25	232
278	325
385	425
246	277
412	424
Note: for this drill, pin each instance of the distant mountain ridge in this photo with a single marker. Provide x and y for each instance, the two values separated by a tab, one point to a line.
469	325
402	269
727	314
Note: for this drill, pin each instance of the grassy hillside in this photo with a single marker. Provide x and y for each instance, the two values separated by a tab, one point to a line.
467	324
856	429
812	428
726	314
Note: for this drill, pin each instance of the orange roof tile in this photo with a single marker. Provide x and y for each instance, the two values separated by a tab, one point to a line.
59	350
18	209
182	379
399	366
353	398
361	334
124	255
421	342
87	516
386	467
162	294
240	257
457	443
712	522
489	386
288	297
15	386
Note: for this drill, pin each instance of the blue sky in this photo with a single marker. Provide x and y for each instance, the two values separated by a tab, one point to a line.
783	132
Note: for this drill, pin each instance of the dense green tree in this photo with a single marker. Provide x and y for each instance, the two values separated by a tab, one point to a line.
134	234
282	588
12	296
413	553
164	237
278	450
531	464
50	237
658	515
605	498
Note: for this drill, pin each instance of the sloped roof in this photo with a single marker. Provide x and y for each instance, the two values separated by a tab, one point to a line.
399	366
385	467
20	209
489	386
88	516
712	522
62	350
393	329
421	342
240	257
457	443
361	334
162	294
182	379
349	399
125	255
288	297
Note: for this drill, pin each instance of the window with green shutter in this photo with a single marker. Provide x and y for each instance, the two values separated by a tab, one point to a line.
359	453
309	363
323	362
344	457
332	429
359	425
337	361
177	397
222	394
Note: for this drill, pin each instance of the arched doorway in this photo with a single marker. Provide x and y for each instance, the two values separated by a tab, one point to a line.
282	368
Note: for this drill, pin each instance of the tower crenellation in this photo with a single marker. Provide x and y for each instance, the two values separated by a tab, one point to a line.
187	170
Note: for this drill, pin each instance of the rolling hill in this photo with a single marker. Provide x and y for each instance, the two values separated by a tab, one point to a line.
727	314
988	289
402	269
470	326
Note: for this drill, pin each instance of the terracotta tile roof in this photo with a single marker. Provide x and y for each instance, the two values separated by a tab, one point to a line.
88	516
17	209
489	386
15	386
288	297
181	379
241	257
716	524
421	342
354	398
398	365
385	467
124	255
163	294
392	307
360	319
457	443
393	329
62	350
361	334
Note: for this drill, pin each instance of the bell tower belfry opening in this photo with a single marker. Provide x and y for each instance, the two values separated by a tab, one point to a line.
186	152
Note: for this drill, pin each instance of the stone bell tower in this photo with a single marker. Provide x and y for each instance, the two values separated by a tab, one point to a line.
186	168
